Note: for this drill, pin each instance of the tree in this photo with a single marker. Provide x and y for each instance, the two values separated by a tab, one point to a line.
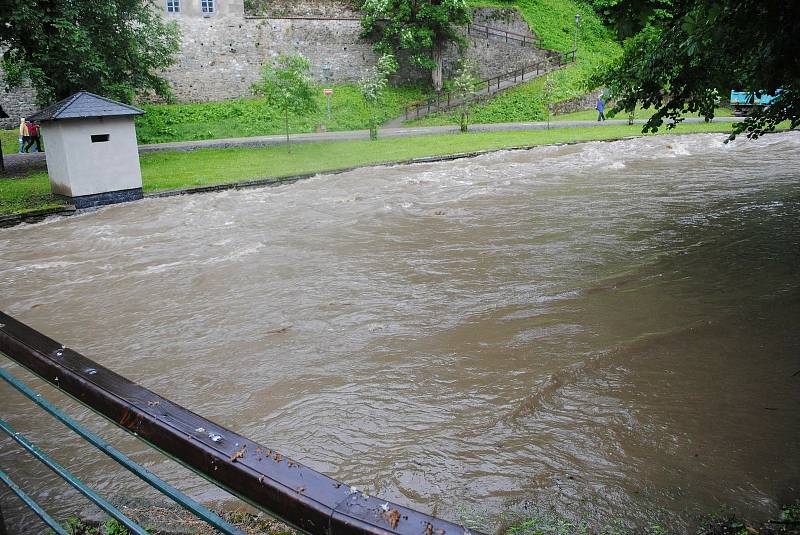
372	86
628	17
464	83
420	27
679	62
287	85
548	90
114	47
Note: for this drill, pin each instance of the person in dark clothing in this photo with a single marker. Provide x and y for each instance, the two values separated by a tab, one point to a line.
33	137
601	106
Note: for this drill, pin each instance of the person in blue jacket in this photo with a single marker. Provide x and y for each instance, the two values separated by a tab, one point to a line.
601	106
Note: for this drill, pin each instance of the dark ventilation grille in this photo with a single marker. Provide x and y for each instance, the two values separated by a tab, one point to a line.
99	138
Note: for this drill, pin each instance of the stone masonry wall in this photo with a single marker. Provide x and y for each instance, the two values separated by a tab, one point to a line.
501	18
302	8
222	55
583	102
19	102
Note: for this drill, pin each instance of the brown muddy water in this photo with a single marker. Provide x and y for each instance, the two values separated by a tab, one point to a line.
610	329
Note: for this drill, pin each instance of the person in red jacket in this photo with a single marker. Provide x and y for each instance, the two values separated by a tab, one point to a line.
34	137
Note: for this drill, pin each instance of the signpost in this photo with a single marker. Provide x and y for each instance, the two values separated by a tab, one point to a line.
328	92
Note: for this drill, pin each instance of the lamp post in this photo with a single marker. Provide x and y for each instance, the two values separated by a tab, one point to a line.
575	40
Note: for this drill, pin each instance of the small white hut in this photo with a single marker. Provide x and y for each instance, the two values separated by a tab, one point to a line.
92	156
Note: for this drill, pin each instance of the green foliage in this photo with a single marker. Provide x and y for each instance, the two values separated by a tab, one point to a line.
791	513
463	86
420	28
701	46
113	527
628	17
114	48
554	22
288	87
373	86
525	102
257	117
10	140
548	90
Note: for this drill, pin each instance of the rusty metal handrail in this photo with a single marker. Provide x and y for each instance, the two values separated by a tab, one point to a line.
302	497
447	98
482	30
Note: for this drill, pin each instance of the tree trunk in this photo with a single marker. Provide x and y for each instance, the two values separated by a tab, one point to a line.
436	73
286	123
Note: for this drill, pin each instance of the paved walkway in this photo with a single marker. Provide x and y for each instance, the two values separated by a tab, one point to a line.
17	164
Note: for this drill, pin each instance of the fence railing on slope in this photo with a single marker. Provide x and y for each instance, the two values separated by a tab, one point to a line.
261	476
481	30
489	86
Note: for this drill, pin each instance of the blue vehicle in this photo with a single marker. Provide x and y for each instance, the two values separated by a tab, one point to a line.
744	102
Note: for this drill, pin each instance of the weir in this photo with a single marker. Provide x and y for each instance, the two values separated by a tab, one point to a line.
261	476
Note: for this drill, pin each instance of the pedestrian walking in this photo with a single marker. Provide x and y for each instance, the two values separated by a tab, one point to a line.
34	137
601	107
24	137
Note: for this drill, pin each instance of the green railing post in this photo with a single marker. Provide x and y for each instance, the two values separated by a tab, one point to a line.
163	487
35	507
73	481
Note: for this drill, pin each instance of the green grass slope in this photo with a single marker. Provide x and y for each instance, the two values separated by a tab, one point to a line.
554	22
255	117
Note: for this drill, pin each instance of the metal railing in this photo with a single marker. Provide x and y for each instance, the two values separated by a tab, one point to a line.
481	30
261	476
489	86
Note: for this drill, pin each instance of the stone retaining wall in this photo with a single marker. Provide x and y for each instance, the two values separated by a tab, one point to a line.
583	102
301	8
221	55
18	102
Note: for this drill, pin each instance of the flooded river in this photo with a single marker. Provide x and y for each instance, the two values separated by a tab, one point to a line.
610	329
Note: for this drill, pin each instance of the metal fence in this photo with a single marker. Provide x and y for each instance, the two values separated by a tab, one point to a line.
261	476
489	86
480	30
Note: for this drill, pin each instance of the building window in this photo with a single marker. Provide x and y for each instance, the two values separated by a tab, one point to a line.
173	6
207	6
100	138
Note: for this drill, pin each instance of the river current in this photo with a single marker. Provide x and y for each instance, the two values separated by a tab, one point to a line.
607	329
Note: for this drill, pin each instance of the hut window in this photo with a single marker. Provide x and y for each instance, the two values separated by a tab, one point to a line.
99	138
173	6
207	6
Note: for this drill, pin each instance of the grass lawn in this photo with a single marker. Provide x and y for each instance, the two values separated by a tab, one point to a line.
554	22
173	170
591	115
254	117
10	140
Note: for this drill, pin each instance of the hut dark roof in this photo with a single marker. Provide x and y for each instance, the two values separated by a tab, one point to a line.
82	105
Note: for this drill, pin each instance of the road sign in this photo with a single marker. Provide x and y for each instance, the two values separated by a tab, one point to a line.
328	91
